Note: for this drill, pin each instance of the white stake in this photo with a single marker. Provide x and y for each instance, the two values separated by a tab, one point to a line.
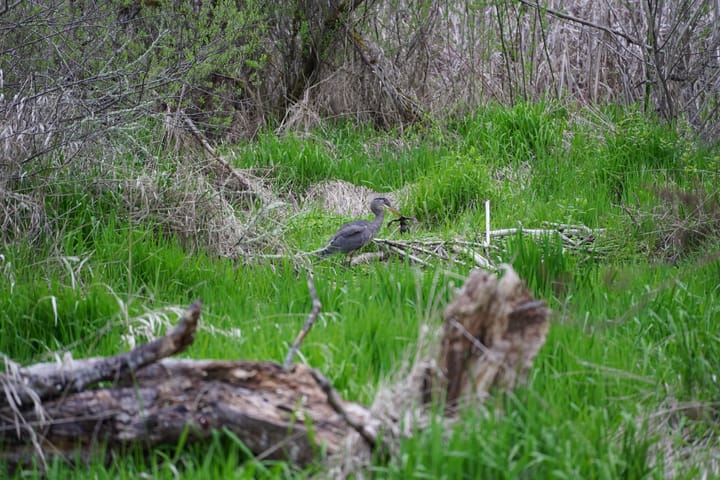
487	223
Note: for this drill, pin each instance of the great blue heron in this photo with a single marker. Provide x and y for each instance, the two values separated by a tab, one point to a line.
354	235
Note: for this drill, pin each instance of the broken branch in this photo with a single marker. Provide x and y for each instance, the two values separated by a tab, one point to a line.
309	322
49	380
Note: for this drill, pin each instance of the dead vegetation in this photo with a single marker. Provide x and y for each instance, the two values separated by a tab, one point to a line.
22	217
683	439
343	198
685	221
188	206
680	223
370	62
388	64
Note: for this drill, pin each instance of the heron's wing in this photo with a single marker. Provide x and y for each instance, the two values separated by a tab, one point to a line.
352	228
351	235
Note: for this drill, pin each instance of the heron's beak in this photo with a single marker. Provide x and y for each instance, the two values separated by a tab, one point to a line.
393	210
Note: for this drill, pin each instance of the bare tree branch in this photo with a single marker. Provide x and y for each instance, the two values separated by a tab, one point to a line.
309	322
49	380
586	23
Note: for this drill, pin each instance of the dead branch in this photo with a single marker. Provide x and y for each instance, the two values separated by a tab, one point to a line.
586	23
225	169
309	322
364	429
479	260
542	232
438	249
368	257
48	380
573	237
408	255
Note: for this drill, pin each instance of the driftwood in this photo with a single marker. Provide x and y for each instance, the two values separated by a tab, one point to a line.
491	334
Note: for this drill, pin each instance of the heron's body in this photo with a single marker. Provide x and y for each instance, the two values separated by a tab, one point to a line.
355	235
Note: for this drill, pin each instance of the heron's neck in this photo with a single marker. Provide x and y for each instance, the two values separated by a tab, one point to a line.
377	221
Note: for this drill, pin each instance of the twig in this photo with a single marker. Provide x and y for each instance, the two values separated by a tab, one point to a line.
255	219
198	134
625	209
414	245
409	255
572	237
312	316
209	148
479	260
402	247
566	226
367	257
537	232
336	403
557	228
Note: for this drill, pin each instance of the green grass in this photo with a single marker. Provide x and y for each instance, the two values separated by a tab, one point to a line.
629	333
345	153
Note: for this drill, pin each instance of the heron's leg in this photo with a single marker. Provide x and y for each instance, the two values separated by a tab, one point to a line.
349	256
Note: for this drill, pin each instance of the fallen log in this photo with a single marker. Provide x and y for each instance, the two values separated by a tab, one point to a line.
491	334
268	407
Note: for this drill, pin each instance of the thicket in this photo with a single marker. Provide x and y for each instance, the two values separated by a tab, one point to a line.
76	71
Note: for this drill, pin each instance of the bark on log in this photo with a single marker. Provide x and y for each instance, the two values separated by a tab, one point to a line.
268	408
491	335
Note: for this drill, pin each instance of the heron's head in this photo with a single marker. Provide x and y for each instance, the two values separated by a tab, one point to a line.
379	203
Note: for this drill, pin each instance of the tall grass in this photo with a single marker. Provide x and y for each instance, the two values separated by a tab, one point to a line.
362	156
628	335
